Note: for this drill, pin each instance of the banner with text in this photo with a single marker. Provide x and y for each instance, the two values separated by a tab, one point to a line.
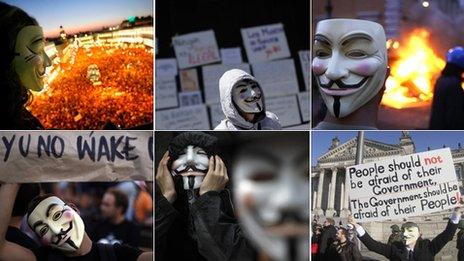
51	156
196	49
403	186
265	43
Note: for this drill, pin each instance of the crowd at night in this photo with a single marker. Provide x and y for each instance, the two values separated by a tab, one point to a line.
124	98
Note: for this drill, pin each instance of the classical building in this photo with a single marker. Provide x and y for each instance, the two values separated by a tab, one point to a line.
329	194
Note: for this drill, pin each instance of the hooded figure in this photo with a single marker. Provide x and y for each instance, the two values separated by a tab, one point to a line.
242	102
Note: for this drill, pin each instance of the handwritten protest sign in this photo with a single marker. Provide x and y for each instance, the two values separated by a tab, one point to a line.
51	156
183	118
166	93
231	55
189	80
286	109
277	78
305	62
195	49
303	101
264	43
216	113
211	76
403	186
166	67
190	98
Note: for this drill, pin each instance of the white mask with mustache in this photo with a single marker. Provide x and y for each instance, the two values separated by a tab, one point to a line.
350	63
192	163
31	60
411	234
247	95
57	225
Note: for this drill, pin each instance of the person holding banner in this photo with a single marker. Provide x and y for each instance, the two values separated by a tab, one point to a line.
413	246
194	216
242	102
61	232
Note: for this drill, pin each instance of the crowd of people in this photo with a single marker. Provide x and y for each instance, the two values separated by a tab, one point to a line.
124	98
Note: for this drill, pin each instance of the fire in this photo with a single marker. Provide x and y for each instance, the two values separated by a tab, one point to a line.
413	75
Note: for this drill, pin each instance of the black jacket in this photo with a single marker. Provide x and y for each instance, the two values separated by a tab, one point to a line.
343	252
207	230
448	104
423	250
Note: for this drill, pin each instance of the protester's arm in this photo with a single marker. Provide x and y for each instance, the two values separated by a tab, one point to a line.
8	250
376	246
447	235
217	232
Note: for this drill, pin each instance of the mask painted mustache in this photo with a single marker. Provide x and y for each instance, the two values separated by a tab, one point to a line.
340	84
62	234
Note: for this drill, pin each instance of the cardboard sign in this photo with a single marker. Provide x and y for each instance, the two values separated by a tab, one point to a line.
303	101
277	78
305	62
190	98
211	76
265	43
189	80
216	113
286	109
166	93
183	118
231	55
403	186
196	49
75	156
166	67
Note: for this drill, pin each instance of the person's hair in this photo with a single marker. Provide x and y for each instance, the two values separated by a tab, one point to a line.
409	224
452	70
14	96
120	199
345	232
26	193
194	138
330	220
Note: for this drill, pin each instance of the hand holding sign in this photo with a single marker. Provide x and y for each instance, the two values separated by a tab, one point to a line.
164	179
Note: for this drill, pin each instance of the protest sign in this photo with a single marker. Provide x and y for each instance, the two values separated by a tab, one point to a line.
211	76
166	93
403	186
52	156
189	80
286	109
303	101
183	118
166	68
231	55
305	62
216	113
264	43
277	78
190	98
195	49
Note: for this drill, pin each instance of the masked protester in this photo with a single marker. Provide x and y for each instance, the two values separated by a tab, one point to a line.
413	246
22	67
350	68
242	102
395	235
448	96
194	217
342	248
61	232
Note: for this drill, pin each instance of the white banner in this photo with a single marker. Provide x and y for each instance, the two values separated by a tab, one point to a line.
75	156
166	67
165	93
403	186
231	55
196	49
277	78
183	118
305	62
264	43
286	109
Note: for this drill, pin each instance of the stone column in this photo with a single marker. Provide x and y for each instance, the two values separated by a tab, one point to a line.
333	184
320	187
345	212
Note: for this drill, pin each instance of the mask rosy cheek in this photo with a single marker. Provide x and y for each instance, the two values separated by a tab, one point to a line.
318	67
68	215
366	68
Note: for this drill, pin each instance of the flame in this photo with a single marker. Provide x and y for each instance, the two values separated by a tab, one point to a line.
412	76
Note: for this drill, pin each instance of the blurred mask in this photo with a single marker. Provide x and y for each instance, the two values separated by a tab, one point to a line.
350	63
57	225
271	189
30	59
410	235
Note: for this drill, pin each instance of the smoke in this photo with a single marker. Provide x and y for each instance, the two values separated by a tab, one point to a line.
444	20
